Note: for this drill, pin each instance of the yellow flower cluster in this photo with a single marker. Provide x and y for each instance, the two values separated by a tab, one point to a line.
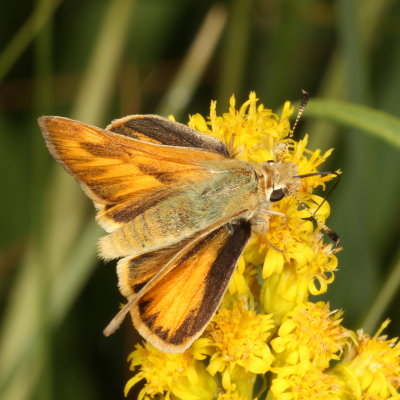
267	341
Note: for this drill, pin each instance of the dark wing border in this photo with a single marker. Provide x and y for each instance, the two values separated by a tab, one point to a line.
156	129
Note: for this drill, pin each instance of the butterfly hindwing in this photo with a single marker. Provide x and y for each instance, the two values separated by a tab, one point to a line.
135	272
175	309
155	129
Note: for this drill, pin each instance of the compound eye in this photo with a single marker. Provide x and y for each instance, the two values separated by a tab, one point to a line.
277	195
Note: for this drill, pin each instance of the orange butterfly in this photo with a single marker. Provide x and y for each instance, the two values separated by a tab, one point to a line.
178	209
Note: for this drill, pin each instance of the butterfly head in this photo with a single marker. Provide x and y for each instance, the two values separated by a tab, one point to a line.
280	180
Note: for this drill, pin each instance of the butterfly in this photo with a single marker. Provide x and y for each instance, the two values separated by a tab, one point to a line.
178	209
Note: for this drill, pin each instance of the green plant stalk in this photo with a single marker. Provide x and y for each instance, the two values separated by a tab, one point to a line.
235	50
43	65
195	63
26	34
386	294
333	83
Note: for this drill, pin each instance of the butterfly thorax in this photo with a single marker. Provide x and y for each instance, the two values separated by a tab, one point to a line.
275	181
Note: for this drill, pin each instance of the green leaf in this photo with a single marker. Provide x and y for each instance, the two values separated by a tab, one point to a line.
375	123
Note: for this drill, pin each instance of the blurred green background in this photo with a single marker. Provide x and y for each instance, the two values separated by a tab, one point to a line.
97	60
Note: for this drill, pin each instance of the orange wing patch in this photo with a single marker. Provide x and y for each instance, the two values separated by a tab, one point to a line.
120	173
175	309
135	272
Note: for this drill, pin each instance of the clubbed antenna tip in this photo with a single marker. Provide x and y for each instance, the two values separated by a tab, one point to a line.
303	103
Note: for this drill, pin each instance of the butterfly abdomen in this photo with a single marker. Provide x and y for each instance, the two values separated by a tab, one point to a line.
159	226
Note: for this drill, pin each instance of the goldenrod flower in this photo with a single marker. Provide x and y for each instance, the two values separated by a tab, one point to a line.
177	376
238	338
252	133
372	368
266	329
310	333
306	384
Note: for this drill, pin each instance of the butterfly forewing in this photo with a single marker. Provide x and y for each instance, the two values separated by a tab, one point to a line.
119	173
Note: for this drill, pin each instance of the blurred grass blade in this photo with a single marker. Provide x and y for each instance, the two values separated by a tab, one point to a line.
25	35
353	50
62	292
388	291
371	13
375	123
97	85
67	246
236	47
196	61
74	273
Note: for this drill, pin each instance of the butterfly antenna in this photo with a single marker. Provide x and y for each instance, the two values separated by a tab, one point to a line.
337	177
323	173
303	103
330	232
